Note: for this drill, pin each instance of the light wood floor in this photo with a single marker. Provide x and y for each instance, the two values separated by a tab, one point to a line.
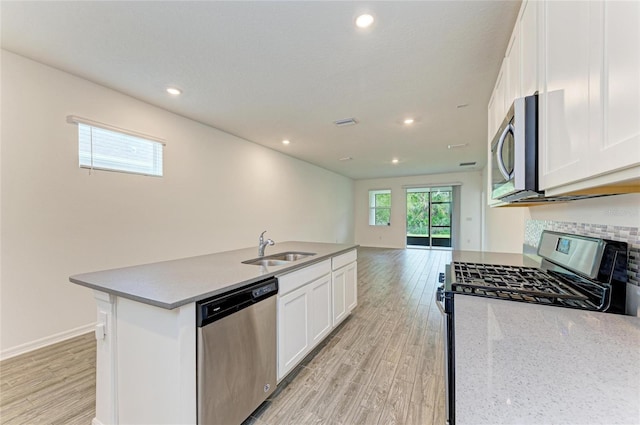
383	365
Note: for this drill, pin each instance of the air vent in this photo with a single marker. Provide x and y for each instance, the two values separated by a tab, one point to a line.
459	145
345	122
466	164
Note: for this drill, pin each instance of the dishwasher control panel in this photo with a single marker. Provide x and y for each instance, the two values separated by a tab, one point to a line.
264	290
221	306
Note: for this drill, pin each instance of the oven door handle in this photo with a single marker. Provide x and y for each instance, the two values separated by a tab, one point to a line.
440	300
503	169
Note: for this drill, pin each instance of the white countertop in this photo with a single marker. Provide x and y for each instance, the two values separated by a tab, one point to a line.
170	284
519	363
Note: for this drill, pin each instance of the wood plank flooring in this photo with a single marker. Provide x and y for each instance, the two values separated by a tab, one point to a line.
52	385
383	365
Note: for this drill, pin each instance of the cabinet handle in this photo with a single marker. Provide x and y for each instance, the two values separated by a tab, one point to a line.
503	170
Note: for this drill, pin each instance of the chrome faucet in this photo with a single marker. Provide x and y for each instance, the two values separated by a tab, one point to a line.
262	244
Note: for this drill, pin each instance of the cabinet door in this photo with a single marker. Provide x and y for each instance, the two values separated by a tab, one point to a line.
564	104
500	104
529	48
351	286
320	309
293	329
620	145
512	86
338	295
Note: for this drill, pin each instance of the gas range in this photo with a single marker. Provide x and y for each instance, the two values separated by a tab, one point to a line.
576	272
528	284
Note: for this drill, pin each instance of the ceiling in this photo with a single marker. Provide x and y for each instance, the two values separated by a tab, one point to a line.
267	71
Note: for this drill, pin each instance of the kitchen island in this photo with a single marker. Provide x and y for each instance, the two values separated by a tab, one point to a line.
146	327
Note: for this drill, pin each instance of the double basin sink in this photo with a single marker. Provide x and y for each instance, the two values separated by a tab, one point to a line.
280	259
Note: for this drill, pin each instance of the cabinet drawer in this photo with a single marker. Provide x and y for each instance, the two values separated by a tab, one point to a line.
344	259
290	281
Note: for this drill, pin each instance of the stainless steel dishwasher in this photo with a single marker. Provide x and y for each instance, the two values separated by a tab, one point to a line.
236	346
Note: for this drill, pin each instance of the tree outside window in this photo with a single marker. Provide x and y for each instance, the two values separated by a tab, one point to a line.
380	207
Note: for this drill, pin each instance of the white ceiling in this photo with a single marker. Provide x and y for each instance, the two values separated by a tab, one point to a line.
268	71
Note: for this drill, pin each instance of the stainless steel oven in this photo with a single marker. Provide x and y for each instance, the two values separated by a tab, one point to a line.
514	153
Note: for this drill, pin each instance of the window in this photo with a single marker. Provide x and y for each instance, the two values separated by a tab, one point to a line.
380	207
104	147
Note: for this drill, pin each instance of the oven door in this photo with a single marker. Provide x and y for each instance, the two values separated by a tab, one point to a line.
514	153
503	158
444	301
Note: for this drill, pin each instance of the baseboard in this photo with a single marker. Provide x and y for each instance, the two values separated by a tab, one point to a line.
48	340
95	421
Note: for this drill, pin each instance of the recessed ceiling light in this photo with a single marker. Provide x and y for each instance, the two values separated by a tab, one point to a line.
174	91
346	158
285	142
364	21
408	121
394	160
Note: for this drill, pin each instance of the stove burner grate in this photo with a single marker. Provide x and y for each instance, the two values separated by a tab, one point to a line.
527	284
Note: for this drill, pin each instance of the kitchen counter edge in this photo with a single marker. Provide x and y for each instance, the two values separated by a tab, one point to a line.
106	280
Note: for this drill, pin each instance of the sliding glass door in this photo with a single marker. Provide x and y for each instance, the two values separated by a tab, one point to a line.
429	213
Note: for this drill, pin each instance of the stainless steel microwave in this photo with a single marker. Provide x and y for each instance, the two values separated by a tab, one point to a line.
514	153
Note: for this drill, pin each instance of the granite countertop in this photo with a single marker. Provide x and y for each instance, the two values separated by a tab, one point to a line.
535	364
170	284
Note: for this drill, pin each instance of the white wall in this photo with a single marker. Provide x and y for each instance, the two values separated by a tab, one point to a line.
218	193
394	236
504	226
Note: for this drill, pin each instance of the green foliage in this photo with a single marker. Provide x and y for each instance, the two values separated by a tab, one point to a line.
383	216
418	213
383	200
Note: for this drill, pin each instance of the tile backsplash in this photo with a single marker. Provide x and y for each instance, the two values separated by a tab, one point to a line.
534	228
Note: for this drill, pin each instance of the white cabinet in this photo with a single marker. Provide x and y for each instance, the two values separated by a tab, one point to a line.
529	47
344	284
512	58
590	99
584	60
304	313
497	109
320	309
312	301
620	91
345	293
565	113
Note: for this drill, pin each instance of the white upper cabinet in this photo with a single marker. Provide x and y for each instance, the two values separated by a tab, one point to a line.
497	109
590	102
512	59
583	57
564	102
528	30
620	91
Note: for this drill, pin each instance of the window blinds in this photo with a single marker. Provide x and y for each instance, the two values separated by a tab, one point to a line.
105	147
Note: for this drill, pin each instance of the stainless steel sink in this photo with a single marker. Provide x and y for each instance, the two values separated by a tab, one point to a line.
279	259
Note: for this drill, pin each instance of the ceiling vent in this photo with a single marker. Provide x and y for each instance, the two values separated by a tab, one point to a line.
467	164
345	122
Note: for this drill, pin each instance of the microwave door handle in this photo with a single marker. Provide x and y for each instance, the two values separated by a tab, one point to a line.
503	170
